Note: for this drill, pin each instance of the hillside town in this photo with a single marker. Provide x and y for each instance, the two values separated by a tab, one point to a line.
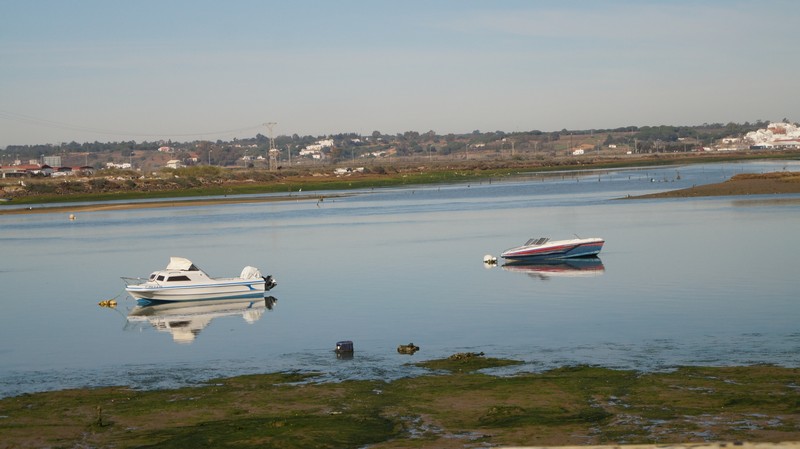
776	135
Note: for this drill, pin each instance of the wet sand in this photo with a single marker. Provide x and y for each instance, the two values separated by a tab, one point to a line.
745	184
97	207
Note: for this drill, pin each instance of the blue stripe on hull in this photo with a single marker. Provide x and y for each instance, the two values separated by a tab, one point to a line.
249	295
236	290
584	251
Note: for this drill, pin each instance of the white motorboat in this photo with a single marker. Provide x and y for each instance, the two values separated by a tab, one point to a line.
544	248
181	280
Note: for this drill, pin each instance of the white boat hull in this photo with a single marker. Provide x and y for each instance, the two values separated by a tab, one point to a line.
222	290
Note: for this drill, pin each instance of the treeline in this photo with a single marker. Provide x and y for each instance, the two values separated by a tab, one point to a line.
346	145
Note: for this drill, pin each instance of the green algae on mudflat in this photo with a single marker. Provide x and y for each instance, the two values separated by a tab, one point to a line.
458	403
466	362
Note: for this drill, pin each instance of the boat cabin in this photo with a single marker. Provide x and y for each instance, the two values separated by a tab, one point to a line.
178	270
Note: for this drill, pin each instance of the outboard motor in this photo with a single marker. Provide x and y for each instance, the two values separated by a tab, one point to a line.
269	283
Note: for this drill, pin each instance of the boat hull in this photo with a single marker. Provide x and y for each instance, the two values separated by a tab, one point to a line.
566	249
233	290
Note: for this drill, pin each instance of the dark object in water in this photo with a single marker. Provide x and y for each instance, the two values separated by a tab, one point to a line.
344	347
269	283
407	349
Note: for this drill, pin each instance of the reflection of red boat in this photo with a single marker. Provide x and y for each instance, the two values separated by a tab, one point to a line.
544	248
582	267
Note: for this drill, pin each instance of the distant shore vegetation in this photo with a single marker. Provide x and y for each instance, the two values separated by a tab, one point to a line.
165	169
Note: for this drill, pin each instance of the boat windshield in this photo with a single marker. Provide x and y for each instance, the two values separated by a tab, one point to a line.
537	241
178	278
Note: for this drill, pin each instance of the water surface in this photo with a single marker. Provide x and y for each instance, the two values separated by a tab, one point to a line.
708	281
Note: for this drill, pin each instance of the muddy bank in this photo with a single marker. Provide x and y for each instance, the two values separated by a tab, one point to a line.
744	184
454	406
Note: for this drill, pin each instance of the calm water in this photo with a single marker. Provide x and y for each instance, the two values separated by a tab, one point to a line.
710	281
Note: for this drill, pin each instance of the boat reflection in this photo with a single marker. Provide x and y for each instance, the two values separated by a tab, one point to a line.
546	269
185	319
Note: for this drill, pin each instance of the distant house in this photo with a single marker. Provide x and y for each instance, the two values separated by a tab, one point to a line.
348	170
315	150
63	171
35	169
582	149
85	170
124	165
174	163
11	171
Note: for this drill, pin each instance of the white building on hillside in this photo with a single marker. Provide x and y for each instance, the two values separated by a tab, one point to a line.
776	135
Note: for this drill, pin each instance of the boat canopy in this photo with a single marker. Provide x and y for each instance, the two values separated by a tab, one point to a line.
179	263
249	272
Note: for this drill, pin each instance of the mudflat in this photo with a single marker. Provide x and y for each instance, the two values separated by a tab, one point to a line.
454	406
743	184
100	206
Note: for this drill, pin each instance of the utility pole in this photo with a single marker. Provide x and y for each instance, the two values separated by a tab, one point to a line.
570	143
272	152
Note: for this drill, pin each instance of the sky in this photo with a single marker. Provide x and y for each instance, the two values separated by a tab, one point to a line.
185	70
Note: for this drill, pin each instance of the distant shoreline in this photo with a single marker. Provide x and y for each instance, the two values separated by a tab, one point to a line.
761	184
104	206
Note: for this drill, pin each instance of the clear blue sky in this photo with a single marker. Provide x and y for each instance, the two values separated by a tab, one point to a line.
110	70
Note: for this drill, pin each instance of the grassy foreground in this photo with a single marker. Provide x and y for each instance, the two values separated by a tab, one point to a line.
454	406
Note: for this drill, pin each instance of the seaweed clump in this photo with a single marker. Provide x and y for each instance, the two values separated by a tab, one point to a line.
467	362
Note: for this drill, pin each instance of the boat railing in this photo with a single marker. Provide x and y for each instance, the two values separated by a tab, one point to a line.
133	281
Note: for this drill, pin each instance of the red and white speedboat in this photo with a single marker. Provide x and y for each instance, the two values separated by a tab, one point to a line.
543	248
